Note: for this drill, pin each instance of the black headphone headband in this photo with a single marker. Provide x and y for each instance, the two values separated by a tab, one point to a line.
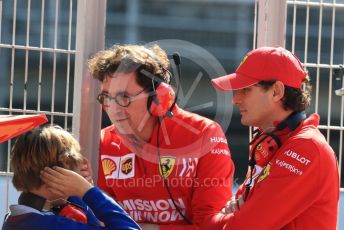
292	121
32	200
165	71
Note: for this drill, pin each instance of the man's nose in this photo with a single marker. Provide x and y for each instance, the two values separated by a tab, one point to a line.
236	98
114	107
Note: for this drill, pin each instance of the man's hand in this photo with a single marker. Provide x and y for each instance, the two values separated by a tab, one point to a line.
233	205
64	183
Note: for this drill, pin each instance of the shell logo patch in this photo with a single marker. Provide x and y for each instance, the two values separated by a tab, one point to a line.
121	167
109	166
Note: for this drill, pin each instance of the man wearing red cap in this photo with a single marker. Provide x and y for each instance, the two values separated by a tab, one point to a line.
293	180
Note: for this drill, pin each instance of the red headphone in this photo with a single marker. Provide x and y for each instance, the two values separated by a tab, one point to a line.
69	210
73	212
162	101
264	147
163	98
265	144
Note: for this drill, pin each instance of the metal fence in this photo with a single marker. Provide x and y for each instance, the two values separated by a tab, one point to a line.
319	43
33	75
43	49
322	54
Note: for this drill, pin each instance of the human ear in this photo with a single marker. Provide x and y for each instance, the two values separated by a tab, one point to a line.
278	91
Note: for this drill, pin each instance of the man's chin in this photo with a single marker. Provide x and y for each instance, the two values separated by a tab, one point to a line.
245	122
123	128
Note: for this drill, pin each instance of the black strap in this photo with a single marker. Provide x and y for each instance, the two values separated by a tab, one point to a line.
58	208
276	138
292	121
32	200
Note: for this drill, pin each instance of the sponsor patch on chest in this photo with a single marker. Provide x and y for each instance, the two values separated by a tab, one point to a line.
297	157
155	211
187	167
122	167
166	165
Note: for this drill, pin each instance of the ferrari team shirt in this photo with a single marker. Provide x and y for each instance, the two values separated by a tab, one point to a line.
297	189
195	160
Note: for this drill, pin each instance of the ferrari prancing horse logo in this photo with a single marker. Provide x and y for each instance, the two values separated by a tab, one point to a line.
266	173
167	165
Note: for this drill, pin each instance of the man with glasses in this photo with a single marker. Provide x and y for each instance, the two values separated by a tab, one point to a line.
293	180
167	167
121	99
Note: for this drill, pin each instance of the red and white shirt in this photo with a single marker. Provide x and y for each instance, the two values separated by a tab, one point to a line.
297	189
195	160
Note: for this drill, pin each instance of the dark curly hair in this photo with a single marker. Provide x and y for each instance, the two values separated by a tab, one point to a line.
131	58
295	99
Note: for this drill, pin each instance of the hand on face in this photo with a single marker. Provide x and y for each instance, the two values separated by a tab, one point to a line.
64	183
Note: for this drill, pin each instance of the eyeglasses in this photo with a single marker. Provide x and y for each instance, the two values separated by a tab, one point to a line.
122	99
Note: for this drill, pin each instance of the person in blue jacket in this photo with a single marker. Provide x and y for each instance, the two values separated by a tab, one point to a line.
46	163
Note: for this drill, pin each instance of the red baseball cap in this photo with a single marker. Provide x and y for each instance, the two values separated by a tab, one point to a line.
264	64
13	125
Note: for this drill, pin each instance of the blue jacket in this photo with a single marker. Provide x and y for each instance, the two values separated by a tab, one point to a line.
103	207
